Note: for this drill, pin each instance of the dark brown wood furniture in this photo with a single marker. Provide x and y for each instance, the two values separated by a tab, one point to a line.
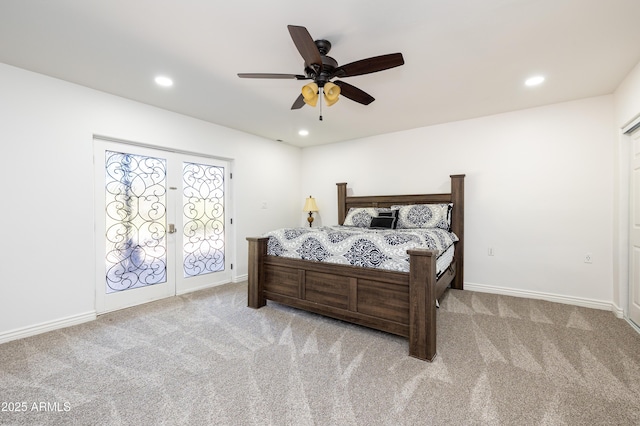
396	302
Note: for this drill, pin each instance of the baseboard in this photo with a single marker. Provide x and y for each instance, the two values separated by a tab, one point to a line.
617	310
21	333
550	297
32	330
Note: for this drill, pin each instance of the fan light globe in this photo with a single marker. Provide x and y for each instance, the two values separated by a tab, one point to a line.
310	94
331	93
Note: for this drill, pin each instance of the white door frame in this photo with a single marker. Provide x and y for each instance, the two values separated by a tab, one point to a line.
631	136
179	286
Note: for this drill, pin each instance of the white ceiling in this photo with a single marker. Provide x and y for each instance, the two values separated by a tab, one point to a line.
463	58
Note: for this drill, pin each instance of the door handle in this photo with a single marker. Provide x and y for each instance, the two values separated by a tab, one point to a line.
172	229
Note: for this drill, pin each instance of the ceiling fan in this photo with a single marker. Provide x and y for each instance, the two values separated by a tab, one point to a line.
322	69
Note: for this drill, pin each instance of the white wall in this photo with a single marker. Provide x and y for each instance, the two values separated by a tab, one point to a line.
538	191
46	129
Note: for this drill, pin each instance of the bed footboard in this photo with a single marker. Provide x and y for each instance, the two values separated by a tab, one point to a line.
395	302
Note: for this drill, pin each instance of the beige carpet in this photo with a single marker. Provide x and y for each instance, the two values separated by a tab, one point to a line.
206	359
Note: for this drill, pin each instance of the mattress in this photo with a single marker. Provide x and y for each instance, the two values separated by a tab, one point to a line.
372	248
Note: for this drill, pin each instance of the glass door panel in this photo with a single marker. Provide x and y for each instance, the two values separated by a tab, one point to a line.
204	241
203	216
136	220
134	262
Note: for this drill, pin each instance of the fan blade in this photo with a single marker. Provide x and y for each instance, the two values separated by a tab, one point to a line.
267	75
369	65
299	103
353	93
305	45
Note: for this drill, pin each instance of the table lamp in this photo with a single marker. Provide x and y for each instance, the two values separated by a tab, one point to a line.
310	206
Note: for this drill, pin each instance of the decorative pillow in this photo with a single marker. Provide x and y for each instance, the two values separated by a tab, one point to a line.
424	216
383	222
387	219
360	216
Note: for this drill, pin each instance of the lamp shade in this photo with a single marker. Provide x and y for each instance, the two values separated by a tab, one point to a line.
310	205
331	93
310	94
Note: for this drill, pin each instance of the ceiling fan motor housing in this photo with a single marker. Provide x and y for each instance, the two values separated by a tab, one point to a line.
322	75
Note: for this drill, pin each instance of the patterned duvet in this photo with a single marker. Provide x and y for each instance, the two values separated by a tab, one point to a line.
372	248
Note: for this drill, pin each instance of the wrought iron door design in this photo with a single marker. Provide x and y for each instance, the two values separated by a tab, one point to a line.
203	219
136	204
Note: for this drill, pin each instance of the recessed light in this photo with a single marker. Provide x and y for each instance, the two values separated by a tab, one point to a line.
164	81
534	81
303	132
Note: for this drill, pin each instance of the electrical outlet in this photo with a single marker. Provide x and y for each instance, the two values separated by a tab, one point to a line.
265	205
490	251
588	258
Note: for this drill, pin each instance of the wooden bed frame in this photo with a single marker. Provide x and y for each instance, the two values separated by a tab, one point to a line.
396	302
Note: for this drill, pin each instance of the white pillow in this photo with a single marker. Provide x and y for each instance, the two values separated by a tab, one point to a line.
415	216
360	216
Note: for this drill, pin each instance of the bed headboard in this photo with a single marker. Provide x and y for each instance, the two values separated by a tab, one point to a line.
456	196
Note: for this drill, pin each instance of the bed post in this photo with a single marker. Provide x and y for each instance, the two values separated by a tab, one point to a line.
457	226
422	304
342	202
257	252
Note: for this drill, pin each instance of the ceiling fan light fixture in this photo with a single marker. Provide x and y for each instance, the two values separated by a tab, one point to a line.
331	93
322	68
310	94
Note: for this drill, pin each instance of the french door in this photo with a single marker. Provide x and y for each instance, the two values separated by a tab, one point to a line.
634	230
161	224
